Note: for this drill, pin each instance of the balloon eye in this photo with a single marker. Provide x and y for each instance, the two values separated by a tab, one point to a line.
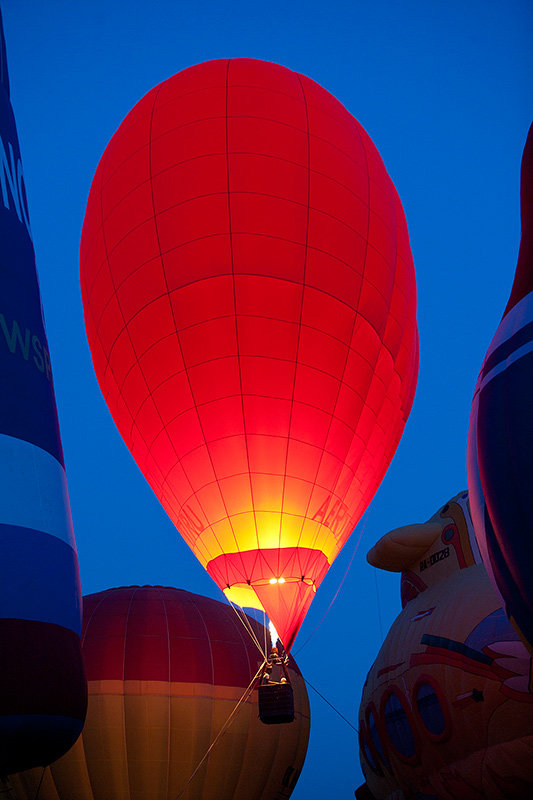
273	580
281	580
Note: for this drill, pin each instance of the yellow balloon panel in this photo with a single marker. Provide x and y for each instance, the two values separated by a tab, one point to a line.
166	669
147	746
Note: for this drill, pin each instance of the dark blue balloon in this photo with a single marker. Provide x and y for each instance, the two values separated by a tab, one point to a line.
500	446
42	681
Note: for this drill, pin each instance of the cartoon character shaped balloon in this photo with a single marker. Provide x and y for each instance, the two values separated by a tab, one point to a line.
500	446
446	707
249	299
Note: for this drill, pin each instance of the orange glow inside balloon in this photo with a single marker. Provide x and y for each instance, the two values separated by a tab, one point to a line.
250	302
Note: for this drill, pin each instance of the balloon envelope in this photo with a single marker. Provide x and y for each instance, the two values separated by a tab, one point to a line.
249	300
446	707
165	670
43	695
500	446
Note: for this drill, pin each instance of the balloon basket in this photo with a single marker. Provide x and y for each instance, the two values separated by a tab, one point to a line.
276	703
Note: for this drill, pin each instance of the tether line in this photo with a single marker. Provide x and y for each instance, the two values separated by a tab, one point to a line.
347	721
224	728
243	617
40	784
326	612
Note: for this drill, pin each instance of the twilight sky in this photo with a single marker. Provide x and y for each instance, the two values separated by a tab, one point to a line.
444	90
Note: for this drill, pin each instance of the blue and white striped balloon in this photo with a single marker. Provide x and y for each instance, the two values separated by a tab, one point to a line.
42	681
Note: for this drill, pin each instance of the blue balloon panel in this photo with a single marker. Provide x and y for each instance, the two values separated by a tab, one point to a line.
500	440
42	681
500	463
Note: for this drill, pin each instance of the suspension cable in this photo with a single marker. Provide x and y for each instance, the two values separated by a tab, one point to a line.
326	612
40	784
336	710
242	616
265	626
224	728
252	633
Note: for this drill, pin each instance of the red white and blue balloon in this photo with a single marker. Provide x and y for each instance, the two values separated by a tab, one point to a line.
500	445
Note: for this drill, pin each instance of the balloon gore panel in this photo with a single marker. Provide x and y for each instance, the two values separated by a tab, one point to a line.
43	694
249	299
165	670
500	442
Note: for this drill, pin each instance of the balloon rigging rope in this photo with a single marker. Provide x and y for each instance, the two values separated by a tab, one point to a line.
338	590
336	710
265	630
241	615
225	726
40	784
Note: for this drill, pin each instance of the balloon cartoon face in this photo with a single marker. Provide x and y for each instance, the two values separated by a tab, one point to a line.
446	707
249	300
166	669
500	441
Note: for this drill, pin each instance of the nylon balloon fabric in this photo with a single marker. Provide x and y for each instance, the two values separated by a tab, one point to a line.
446	706
250	304
166	669
43	692
500	441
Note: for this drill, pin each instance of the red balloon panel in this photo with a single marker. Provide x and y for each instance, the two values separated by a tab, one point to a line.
250	305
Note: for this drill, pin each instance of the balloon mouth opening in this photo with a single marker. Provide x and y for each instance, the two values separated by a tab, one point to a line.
245	593
281	582
257	568
276	581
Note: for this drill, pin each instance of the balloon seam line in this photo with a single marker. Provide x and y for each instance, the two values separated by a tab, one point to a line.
235	315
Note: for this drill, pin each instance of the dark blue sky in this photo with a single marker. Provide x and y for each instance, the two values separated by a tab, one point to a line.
444	89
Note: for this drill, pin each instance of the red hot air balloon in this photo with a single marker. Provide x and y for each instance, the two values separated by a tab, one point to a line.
250	301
